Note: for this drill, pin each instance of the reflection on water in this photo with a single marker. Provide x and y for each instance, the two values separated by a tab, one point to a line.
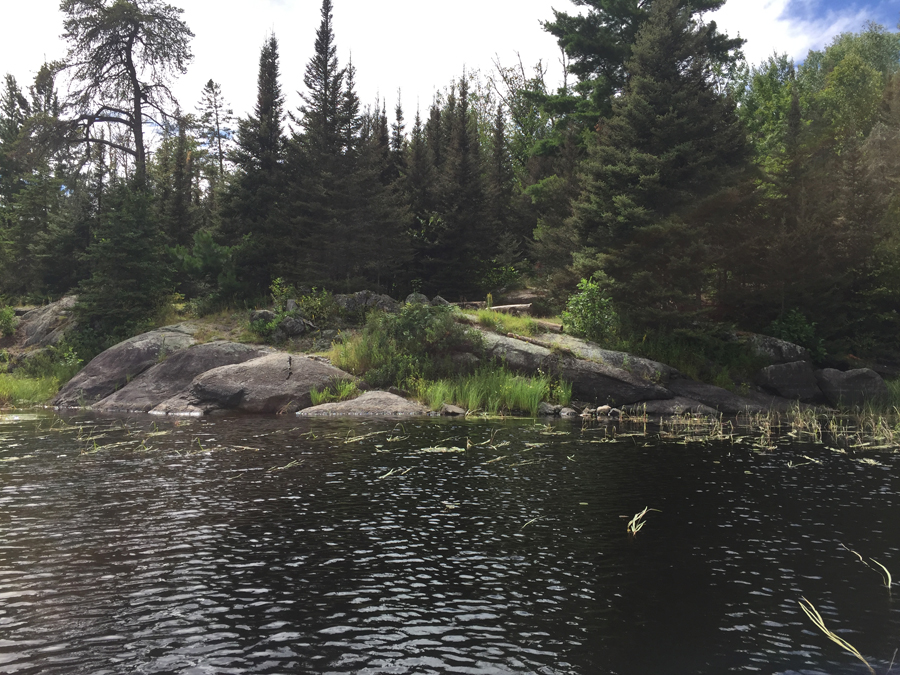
278	545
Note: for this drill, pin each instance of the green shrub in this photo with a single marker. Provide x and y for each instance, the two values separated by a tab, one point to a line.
795	327
59	363
7	321
417	342
319	306
590	314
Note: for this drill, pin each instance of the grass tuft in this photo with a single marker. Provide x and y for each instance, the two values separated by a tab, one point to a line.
501	322
494	391
342	390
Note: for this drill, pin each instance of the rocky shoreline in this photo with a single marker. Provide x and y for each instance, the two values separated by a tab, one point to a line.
167	371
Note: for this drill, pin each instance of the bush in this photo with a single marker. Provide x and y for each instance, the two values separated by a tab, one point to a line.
795	327
7	321
59	363
589	314
417	342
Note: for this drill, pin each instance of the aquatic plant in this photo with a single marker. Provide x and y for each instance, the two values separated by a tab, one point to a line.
819	622
637	522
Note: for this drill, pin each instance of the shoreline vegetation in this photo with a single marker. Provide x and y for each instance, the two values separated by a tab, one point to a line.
425	352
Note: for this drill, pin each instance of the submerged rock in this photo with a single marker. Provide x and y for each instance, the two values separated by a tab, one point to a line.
370	403
275	383
175	374
121	363
679	405
715	397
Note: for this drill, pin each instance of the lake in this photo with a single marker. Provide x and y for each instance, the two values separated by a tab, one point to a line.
284	545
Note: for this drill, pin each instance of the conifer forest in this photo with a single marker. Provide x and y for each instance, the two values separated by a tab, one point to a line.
692	189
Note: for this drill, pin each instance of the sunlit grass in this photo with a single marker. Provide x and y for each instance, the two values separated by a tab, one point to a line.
501	322
340	391
25	391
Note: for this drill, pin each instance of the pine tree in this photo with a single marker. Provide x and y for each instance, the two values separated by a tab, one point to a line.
659	167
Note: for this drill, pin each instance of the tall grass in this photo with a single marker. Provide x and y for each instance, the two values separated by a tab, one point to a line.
26	391
491	390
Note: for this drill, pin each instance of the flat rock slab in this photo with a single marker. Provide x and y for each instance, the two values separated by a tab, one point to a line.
652	371
715	397
175	374
590	380
852	387
275	383
114	368
370	403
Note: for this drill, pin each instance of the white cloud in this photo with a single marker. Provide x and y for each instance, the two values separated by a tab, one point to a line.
774	26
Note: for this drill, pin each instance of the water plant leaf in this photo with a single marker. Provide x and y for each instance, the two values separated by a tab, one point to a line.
819	622
637	522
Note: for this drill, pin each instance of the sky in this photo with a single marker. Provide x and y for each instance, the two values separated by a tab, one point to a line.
398	46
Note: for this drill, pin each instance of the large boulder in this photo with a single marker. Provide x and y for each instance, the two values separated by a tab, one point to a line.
175	374
370	403
118	365
46	326
715	397
275	383
852	387
653	371
590	380
361	301
776	350
795	380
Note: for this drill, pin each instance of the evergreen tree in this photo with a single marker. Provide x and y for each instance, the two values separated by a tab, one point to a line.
657	173
465	245
215	116
252	214
599	42
128	282
398	141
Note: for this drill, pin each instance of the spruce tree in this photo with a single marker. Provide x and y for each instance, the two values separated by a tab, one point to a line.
252	217
465	244
653	178
128	281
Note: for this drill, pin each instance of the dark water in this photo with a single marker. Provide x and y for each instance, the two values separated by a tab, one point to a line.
274	545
